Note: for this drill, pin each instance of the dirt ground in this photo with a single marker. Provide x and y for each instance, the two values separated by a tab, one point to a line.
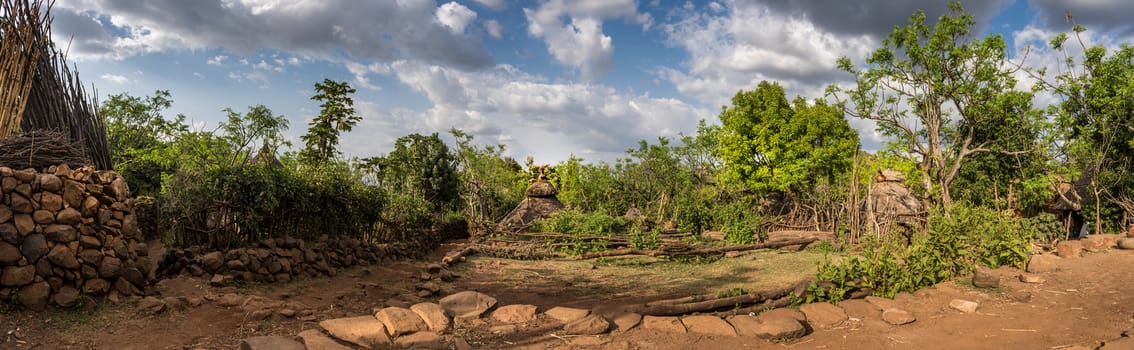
1090	300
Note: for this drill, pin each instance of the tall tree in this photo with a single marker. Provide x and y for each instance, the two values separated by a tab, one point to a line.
771	145
422	168
337	115
942	95
257	126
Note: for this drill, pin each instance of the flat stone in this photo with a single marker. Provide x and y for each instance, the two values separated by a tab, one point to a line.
566	314
364	331
744	325
590	325
230	300
1126	244
1099	242
271	342
778	328
707	324
1030	278
663	323
152	305
515	313
400	321
433	316
964	306
1043	263
313	339
1069	249
467	303
898	317
628	321
785	312
985	278
421	340
860	309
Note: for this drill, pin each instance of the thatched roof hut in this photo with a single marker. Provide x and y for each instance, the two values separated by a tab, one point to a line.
539	202
890	202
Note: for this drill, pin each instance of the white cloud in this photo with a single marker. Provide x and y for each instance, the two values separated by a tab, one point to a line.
217	60
114	78
545	119
455	16
493	4
361	72
581	43
494	28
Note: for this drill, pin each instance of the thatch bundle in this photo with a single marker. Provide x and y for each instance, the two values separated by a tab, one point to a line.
23	31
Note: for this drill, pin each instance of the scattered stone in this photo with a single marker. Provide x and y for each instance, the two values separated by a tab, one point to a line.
271	342
230	300
433	316
590	325
421	340
1043	263
1099	242
1069	249
313	339
964	306
778	328
400	321
289	313
663	323
566	314
1126	243
707	324
731	254
627	322
898	317
151	305
985	278
427	289
860	309
260	314
1022	296
364	331
1030	278
467	303
515	313
785	312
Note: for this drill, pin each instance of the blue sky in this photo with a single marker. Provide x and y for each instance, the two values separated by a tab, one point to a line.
546	78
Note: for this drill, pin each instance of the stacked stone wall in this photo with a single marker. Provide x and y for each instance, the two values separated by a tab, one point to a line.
68	234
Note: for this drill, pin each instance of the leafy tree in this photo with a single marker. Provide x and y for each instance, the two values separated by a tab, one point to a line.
771	145
257	126
141	139
421	174
336	115
942	95
488	181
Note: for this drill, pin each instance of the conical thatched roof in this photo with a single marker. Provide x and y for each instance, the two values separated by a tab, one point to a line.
541	189
540	202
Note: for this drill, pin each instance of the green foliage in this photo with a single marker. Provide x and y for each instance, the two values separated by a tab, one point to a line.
955	245
640	239
257	126
771	145
336	115
139	138
944	96
739	233
1045	228
490	183
578	223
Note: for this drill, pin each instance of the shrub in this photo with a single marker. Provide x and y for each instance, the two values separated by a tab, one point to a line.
578	223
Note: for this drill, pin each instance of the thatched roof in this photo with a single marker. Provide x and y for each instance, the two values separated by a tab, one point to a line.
892	199
541	189
1069	195
529	210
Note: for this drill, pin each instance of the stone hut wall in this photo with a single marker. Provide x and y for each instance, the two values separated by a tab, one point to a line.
68	234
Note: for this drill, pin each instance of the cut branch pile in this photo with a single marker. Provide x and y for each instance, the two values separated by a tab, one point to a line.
40	149
685	250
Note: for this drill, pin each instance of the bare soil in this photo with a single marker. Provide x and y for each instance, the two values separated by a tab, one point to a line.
1090	300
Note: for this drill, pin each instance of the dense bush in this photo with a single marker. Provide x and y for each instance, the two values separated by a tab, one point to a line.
957	242
578	223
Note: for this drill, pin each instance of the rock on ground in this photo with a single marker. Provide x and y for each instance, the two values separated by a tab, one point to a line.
1069	249
627	322
964	306
467	303
566	314
1043	263
590	325
434	316
985	278
778	327
515	313
898	317
400	321
664	323
1126	243
707	324
1030	278
421	340
823	314
860	309
364	331
313	339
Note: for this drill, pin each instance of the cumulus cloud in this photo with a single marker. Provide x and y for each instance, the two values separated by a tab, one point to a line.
455	16
372	30
217	60
549	120
114	78
494	28
492	4
1108	15
580	41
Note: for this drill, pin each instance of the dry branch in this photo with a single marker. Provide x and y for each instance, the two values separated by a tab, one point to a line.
40	149
669	308
685	250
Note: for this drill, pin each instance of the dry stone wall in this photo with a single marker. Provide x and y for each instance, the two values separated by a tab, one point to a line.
68	234
283	259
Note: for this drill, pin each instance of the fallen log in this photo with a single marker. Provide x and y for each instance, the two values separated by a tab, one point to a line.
455	256
791	235
685	250
783	301
775	296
